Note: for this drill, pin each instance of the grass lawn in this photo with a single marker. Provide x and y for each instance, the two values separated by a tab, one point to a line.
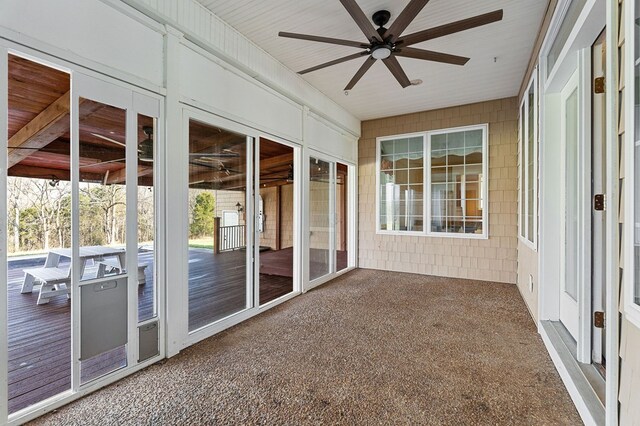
206	243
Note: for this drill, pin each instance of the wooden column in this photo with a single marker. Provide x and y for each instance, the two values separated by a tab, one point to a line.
278	216
343	225
216	235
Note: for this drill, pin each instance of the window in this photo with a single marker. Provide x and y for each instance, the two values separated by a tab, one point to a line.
528	164
632	182
446	195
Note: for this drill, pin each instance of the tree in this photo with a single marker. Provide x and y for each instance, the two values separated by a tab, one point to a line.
203	214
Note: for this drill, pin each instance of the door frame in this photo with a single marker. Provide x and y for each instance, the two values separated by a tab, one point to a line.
297	222
29	413
178	335
567	305
351	220
593	17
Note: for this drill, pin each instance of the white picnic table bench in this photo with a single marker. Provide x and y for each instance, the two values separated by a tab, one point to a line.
55	280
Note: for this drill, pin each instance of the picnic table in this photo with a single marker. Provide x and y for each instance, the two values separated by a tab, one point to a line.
55	280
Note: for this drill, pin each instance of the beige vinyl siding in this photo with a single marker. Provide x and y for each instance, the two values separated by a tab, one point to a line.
528	265
629	393
493	259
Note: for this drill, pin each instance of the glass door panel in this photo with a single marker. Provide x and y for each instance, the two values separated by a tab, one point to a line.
572	197
342	216
321	217
146	274
38	222
275	220
217	223
102	237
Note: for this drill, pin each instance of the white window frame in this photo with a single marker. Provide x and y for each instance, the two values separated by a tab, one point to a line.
631	309
530	241
426	136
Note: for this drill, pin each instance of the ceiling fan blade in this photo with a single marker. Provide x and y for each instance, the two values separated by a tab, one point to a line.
361	20
101	163
363	69
334	62
404	19
394	66
429	55
324	39
214	154
108	139
451	28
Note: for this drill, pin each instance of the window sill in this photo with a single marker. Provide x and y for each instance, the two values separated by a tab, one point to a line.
528	243
433	235
632	313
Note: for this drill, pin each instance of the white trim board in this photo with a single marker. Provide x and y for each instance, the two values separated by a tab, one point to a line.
589	407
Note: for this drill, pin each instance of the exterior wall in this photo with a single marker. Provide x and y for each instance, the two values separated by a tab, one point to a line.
319	233
493	259
227	200
528	265
286	216
629	392
268	236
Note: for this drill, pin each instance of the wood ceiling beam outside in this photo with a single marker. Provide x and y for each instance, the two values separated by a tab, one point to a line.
120	175
47	173
46	127
280	160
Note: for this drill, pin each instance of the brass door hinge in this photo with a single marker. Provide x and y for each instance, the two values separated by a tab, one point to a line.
599	202
598	319
598	85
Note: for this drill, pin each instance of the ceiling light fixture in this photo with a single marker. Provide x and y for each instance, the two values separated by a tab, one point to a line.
381	52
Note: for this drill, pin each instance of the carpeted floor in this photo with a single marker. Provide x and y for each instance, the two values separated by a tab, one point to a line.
370	347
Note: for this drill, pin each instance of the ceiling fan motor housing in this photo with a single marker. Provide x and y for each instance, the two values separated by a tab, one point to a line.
381	17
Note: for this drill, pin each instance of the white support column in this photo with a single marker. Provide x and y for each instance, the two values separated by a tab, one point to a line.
3	235
131	185
176	196
304	200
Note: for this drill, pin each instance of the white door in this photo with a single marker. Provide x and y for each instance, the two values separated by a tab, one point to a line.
113	253
569	314
598	216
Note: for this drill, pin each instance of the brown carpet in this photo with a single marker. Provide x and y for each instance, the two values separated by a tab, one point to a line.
371	347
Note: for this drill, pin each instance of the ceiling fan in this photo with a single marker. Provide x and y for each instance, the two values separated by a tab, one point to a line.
387	44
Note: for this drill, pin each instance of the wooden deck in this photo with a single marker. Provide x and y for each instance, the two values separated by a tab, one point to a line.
39	342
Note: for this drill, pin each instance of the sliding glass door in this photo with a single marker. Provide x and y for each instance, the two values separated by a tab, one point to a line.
220	188
276	220
81	274
321	217
328	218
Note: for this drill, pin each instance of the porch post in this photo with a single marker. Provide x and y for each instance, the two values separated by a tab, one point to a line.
216	235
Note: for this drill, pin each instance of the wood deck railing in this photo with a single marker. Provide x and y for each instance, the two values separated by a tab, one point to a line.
230	238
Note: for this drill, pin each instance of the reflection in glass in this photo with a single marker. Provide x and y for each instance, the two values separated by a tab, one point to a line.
217	232
320	217
102	210
275	212
342	209
401	178
531	163
38	219
457	182
103	193
147	294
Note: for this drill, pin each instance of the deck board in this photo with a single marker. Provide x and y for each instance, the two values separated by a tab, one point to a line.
39	336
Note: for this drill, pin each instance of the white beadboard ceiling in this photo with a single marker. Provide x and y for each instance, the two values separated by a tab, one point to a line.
378	94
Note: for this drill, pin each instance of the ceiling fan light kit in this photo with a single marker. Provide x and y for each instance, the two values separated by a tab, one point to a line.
386	44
